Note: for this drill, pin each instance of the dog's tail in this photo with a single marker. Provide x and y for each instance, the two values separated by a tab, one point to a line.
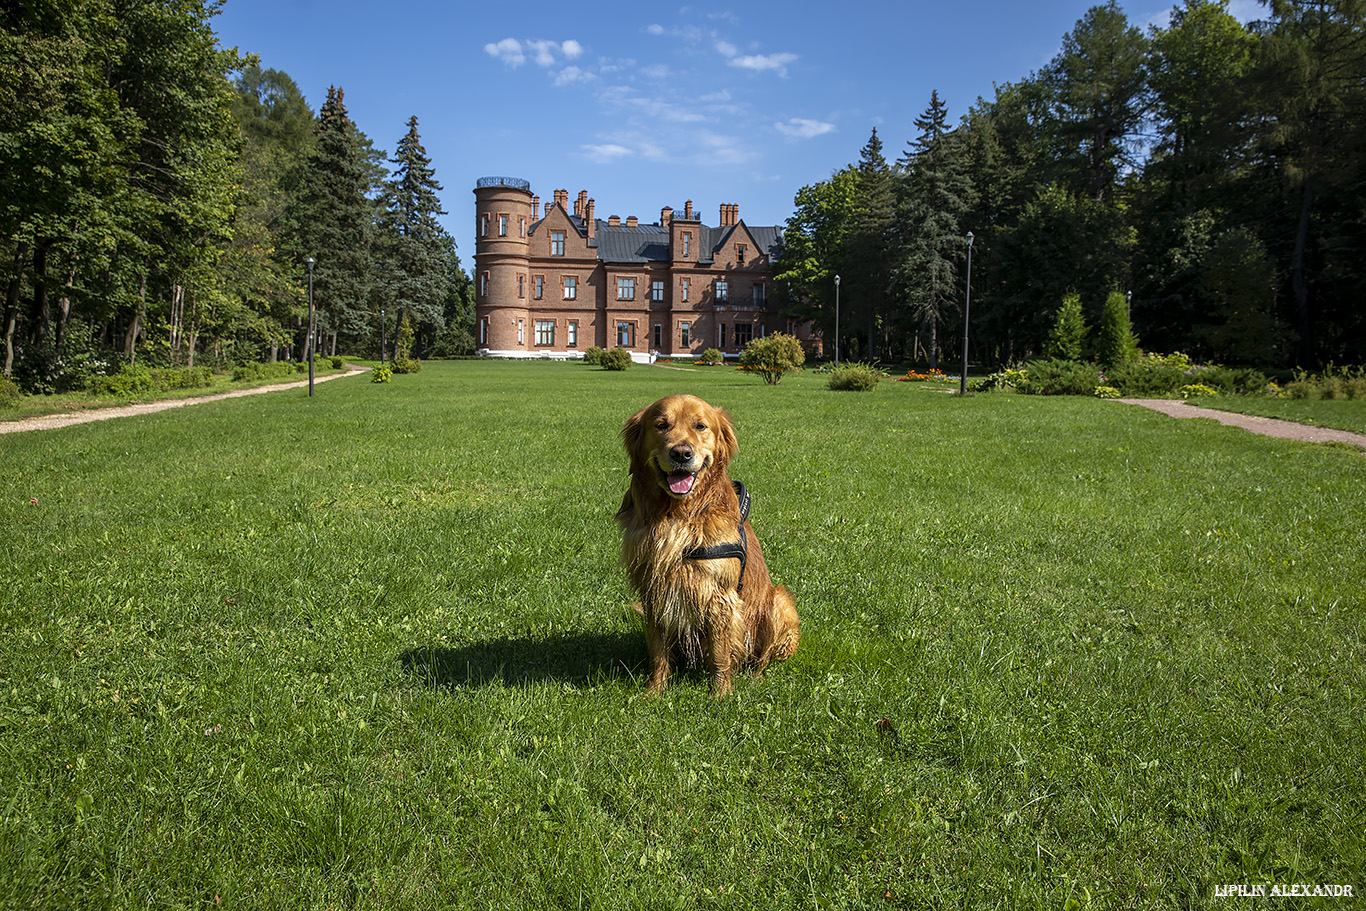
787	628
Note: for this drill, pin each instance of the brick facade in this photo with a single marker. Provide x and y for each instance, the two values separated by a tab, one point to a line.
553	284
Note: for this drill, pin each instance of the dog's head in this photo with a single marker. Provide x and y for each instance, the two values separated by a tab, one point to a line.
677	441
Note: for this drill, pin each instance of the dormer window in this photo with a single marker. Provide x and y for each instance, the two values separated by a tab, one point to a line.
740	254
557	243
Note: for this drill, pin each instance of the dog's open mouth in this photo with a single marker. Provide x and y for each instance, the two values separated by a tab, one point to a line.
680	483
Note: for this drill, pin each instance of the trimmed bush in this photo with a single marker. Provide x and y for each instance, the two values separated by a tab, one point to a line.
9	392
772	356
338	363
1054	376
593	356
712	356
381	375
137	379
616	359
257	371
854	376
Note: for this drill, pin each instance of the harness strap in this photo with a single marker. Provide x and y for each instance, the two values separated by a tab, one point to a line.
730	549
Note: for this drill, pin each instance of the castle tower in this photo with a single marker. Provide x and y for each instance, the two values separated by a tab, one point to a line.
504	210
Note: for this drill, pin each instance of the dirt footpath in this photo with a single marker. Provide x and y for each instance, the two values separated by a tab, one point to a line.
1270	427
53	421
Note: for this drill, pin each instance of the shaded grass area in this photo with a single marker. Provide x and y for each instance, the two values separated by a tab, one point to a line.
1340	414
373	649
31	406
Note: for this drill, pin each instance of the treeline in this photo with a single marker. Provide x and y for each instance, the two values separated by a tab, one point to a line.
1212	172
159	195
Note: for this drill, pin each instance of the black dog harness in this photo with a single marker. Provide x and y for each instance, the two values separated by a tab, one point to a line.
730	549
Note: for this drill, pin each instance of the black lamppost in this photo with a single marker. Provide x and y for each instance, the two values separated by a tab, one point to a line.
308	348
837	320
967	305
381	336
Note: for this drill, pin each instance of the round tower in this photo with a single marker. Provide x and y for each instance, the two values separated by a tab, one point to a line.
502	222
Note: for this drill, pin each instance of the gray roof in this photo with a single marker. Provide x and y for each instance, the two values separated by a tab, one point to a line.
650	243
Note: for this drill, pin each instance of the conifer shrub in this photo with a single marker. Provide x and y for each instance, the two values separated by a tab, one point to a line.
403	360
616	359
1116	343
1067	338
854	376
772	356
593	356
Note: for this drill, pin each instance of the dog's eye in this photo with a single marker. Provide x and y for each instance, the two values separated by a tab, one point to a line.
661	425
700	425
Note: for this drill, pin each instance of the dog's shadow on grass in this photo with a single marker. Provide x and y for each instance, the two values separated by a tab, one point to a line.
578	659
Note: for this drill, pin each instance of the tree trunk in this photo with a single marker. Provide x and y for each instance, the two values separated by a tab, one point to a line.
42	310
12	303
1299	281
64	309
130	340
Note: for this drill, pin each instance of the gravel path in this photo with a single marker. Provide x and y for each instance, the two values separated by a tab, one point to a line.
53	421
1270	427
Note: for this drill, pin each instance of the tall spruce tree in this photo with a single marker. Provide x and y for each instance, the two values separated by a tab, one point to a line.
331	222
935	195
869	248
414	246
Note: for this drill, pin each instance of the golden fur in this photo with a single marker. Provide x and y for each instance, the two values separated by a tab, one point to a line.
680	498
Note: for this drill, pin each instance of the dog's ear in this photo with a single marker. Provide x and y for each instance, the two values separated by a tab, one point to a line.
726	444
632	436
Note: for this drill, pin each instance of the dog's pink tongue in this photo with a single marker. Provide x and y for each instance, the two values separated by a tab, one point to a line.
681	481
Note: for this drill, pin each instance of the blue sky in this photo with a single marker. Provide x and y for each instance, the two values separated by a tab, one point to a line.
647	105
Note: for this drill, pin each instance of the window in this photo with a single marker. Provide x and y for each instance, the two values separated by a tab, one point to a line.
502	226
720	335
626	289
484	331
686	283
687	244
483	284
684	331
522	221
759	295
626	334
572	332
740	254
722	289
744	334
571	288
521	286
539	287
521	333
545	332
483	226
557	243
659	336
656	291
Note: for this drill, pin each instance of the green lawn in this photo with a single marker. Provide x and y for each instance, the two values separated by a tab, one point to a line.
373	650
1342	414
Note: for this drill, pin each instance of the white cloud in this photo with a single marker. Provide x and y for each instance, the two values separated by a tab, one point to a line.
655	30
545	53
607	152
509	50
762	62
802	128
726	49
572	74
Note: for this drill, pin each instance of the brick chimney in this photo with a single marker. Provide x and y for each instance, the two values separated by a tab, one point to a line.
666	215
581	203
562	199
614	220
535	208
687	210
730	215
632	221
589	220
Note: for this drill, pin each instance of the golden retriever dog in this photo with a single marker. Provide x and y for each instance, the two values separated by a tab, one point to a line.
705	592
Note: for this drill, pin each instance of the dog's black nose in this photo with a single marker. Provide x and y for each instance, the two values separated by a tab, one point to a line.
681	453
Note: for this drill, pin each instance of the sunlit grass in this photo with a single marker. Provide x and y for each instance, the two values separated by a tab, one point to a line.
373	649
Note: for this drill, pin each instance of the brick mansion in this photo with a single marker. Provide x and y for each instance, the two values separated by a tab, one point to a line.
553	283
